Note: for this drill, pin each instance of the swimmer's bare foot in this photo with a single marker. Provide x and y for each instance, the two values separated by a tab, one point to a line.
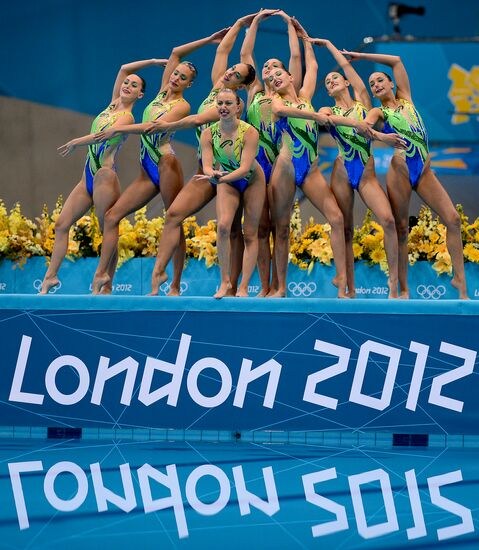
231	292
393	289
351	293
340	283
174	290
48	283
404	294
99	281
157	279
264	292
460	284
277	294
272	291
106	289
242	292
225	287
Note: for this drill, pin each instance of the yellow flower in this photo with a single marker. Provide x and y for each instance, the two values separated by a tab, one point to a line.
471	253
316	247
357	250
442	266
378	255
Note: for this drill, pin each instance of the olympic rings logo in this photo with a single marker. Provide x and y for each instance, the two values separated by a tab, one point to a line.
165	287
431	292
302	289
37	285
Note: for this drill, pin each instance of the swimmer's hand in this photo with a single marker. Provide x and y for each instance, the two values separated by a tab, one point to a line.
300	30
107	134
322	119
156	127
67	148
364	130
393	140
246	20
212	176
353	56
218	36
264	13
318	41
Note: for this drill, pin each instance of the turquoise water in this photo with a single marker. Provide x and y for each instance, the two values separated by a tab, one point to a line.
235	495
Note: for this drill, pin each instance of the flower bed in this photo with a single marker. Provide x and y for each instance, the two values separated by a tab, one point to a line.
21	238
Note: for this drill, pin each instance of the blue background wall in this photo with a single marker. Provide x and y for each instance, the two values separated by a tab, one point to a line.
66	53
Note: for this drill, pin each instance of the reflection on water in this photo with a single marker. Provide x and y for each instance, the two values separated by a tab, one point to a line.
156	494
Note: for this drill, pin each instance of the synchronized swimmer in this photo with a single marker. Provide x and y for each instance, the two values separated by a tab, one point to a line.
253	168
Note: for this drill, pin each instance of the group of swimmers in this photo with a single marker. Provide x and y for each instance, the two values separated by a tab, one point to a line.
254	167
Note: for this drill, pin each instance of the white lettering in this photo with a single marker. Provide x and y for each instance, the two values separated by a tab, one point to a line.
422	352
467	524
314	379
104	495
419	529
216	506
16	393
341	521
356	395
440	381
83	379
15	469
226	382
391	523
172	389
247	375
105	372
245	498
65	505
175	500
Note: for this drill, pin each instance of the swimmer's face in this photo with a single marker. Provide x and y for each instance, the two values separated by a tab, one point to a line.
227	105
279	80
380	85
269	66
131	88
335	83
235	76
182	77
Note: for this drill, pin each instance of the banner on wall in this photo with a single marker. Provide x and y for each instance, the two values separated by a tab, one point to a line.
240	370
452	160
444	79
134	279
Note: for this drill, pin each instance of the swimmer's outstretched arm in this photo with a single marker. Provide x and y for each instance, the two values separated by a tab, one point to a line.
311	65
191	121
360	91
246	54
178	53
248	155
89	139
393	61
130	68
279	109
220	63
295	66
365	128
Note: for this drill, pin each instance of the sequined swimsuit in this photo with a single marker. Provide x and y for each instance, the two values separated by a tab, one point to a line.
97	151
150	151
259	115
301	137
405	121
354	150
227	152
